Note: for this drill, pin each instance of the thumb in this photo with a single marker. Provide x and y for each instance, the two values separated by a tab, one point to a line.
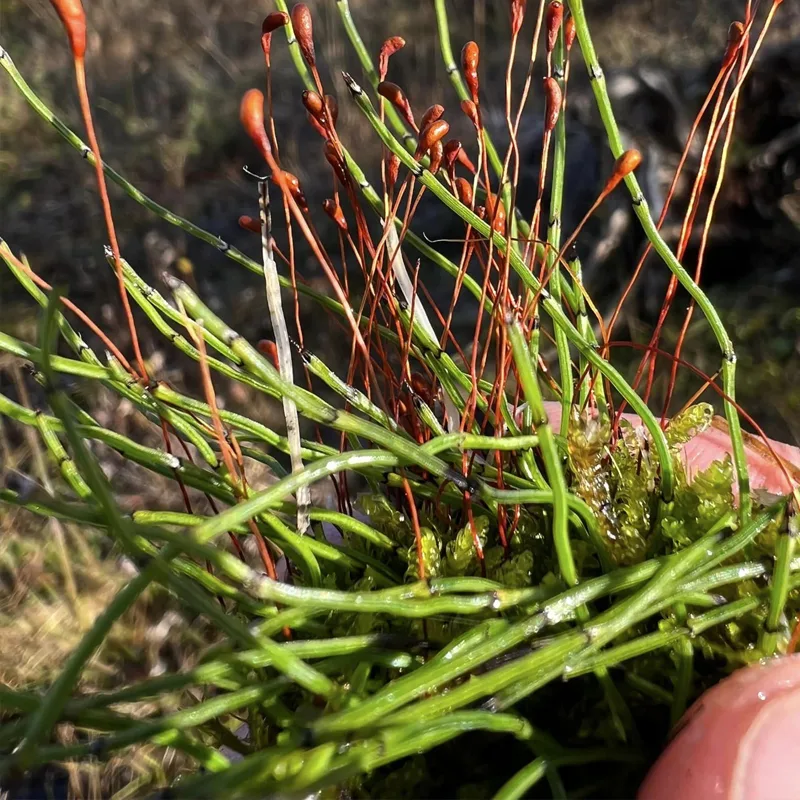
739	741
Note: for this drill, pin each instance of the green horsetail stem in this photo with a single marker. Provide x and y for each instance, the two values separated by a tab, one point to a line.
552	460
554	238
668	257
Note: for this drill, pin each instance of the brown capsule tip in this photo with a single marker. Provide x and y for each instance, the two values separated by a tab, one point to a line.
464	191
273	21
552	94
396	96
517	15
74	21
249	224
332	109
291	180
464	160
317	126
334	158
314	104
735	36
569	32
471	110
392	169
269	349
433	132
437	156
627	163
470	58
555	15
735	31
251	114
293	184
623	167
334	211
388	49
495	212
451	150
421	385
392	92
304	32
431	115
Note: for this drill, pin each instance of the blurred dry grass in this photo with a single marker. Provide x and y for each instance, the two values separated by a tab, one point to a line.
47	604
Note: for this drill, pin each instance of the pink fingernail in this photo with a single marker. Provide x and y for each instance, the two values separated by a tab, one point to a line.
769	754
740	741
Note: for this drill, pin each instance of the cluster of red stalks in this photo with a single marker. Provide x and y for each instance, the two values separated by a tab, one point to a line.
384	369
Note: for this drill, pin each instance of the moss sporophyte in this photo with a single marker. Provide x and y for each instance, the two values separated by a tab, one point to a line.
465	543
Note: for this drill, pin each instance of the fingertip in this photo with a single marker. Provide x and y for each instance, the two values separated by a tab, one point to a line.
740	740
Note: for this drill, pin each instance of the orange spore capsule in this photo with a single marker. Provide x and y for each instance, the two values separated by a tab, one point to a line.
273	21
334	211
74	21
470	57
334	158
392	169
304	32
623	167
471	110
421	385
451	151
269	349
332	109
555	15
464	160
317	126
293	184
249	224
735	36
495	213
627	162
431	115
552	94
433	132
396	96
437	154
251	114
569	32
464	191
388	49
314	104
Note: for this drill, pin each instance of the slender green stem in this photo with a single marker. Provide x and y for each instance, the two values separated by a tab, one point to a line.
523	781
662	248
554	240
684	658
779	588
552	460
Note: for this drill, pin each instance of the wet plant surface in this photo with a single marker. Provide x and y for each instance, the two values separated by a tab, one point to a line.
397	492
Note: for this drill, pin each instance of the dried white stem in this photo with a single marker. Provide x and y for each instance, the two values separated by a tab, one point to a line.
284	350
